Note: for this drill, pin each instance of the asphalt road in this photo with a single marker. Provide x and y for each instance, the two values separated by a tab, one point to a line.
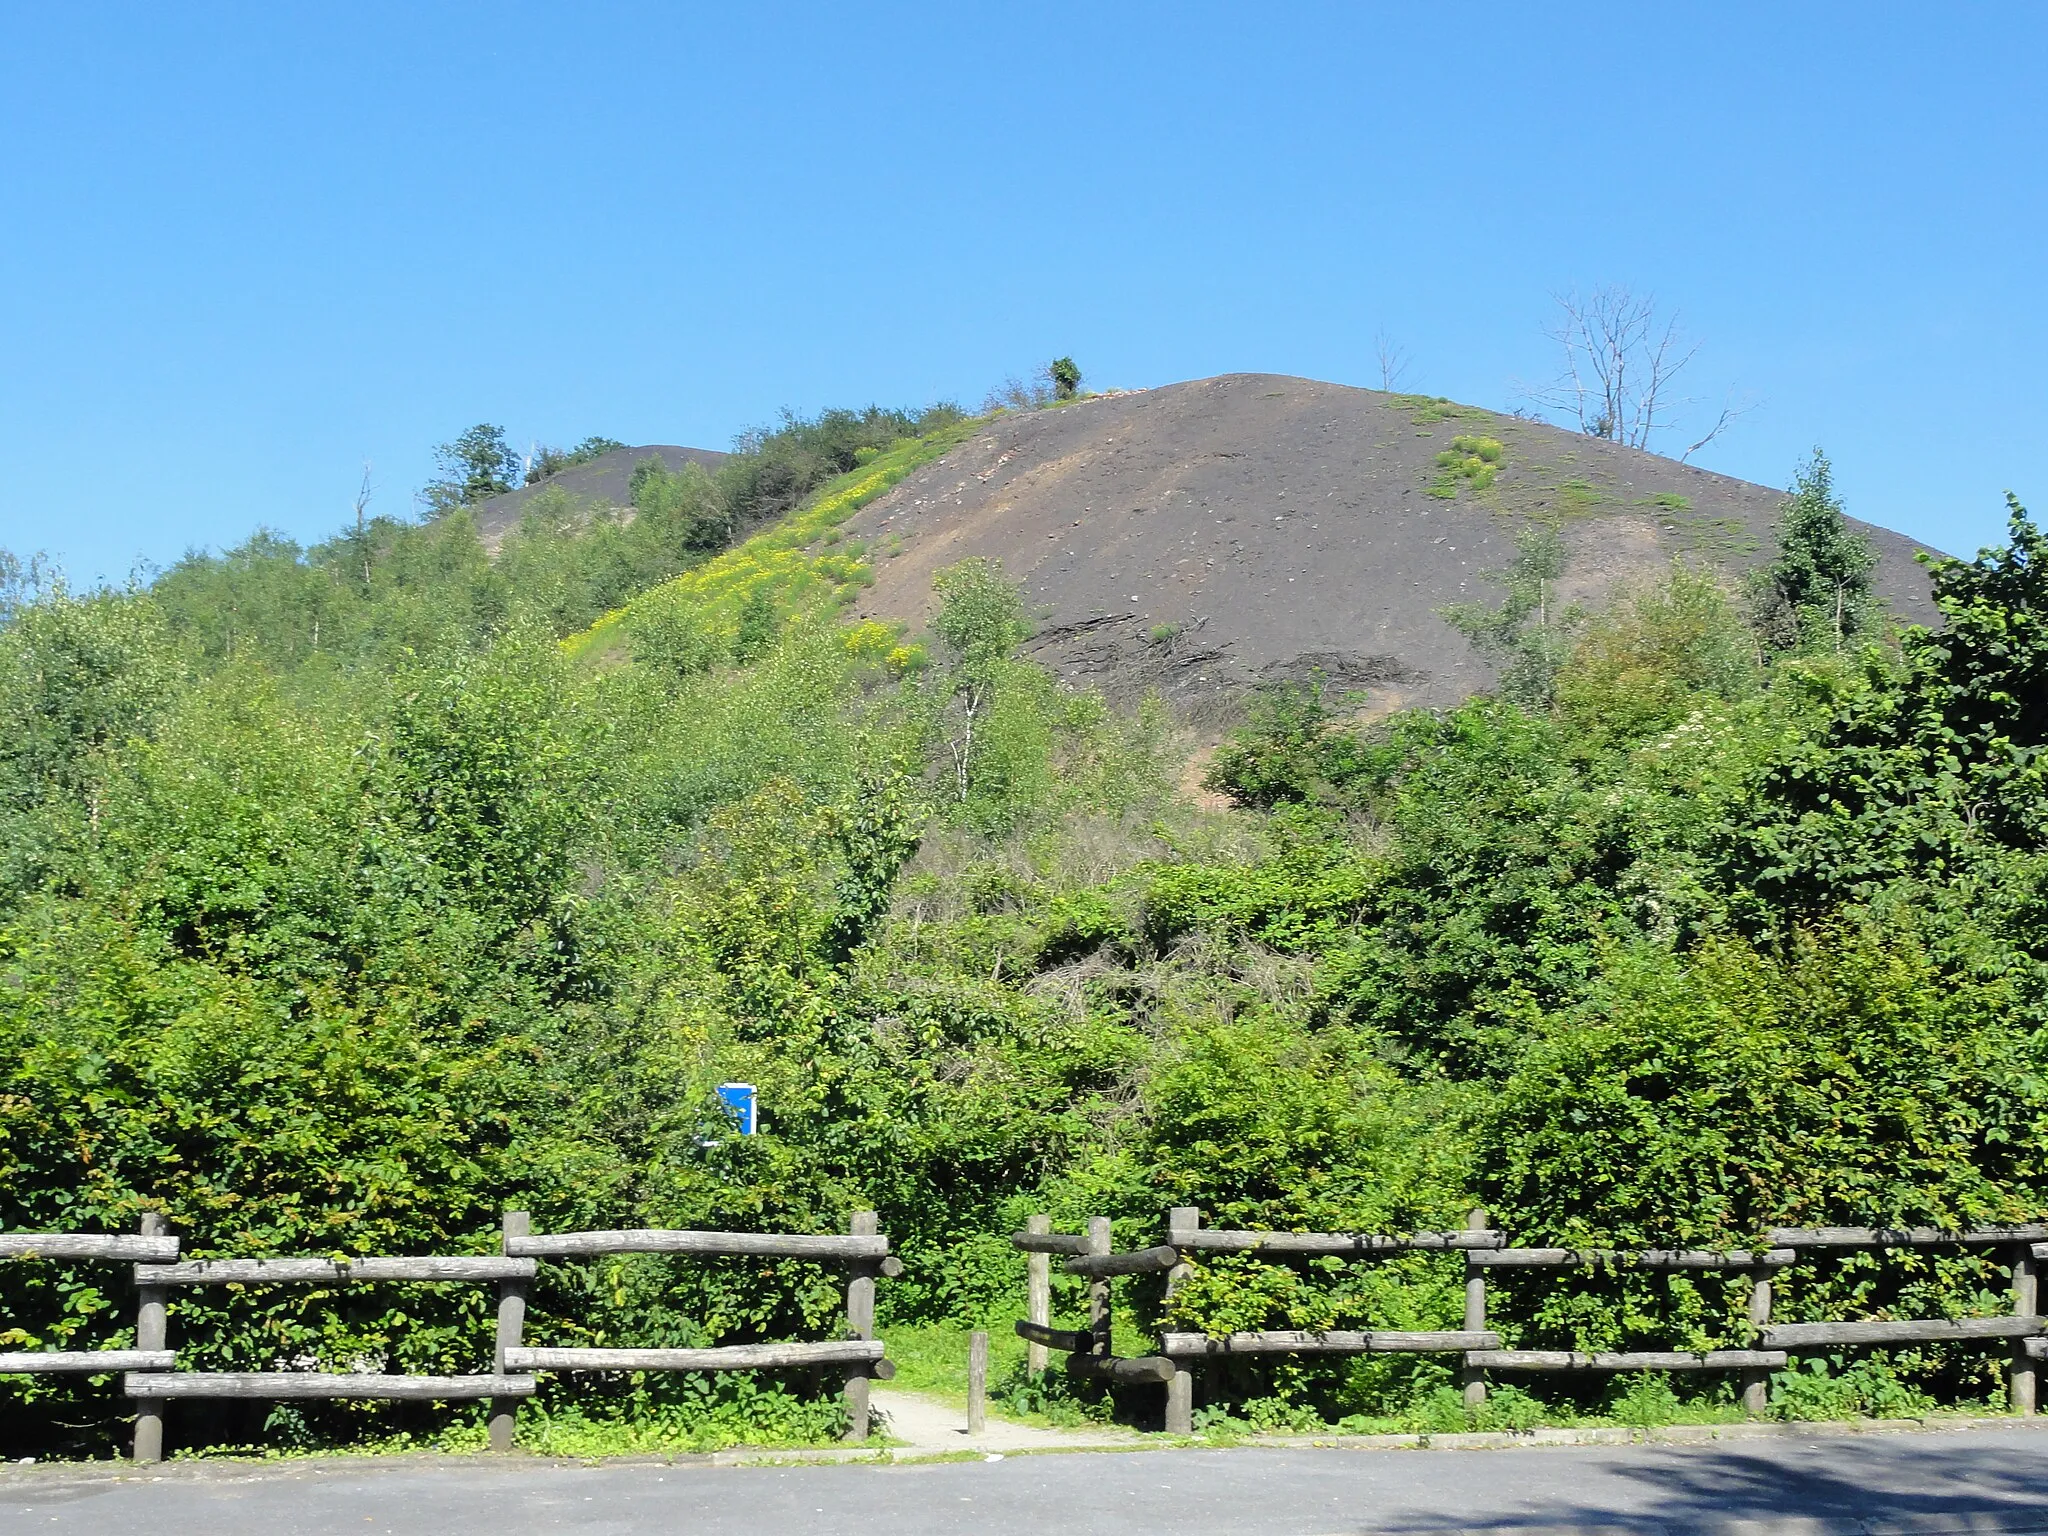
1992	1480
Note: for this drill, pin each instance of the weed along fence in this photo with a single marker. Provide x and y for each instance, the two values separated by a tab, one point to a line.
1486	1251
150	1376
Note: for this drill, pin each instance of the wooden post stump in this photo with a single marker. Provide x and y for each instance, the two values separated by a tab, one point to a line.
511	1330
1475	1312
1180	1391
152	1327
1038	1297
2024	1378
1098	1289
977	1382
1756	1384
860	1324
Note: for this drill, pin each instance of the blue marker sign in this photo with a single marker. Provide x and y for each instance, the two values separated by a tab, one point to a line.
738	1099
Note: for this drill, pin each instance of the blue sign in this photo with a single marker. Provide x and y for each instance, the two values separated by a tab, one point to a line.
738	1099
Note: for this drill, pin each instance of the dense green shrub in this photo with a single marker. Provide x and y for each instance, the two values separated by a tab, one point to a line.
348	945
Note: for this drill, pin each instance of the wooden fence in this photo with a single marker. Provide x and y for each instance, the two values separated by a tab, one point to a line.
150	1375
1485	1249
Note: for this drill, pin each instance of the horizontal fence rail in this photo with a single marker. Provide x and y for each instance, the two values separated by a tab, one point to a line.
729	1357
1485	1249
1626	1258
752	1245
325	1384
1627	1360
366	1271
1284	1341
1332	1244
1904	1237
93	1362
87	1245
1923	1331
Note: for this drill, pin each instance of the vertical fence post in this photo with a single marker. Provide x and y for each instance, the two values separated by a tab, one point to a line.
1475	1311
152	1328
977	1381
860	1323
1180	1387
1098	1289
1756	1383
511	1327
2025	1303
1038	1295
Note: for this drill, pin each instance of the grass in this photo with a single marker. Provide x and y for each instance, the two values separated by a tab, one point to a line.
933	1359
568	1434
1473	461
1426	410
780	559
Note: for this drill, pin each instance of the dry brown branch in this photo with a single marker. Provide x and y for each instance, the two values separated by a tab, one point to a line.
1621	362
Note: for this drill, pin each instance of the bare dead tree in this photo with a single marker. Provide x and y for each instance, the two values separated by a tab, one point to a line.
1393	360
1621	362
362	506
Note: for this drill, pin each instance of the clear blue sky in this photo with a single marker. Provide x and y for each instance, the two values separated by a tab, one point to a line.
245	249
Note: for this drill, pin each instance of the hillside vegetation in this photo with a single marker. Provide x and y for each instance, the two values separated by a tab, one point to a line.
349	897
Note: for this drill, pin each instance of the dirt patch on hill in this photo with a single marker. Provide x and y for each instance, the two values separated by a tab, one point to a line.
1202	538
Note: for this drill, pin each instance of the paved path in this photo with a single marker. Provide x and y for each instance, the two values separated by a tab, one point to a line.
1983	1480
930	1425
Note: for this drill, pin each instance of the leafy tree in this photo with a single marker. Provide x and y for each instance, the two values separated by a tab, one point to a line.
683	506
979	622
549	462
1290	750
1066	378
1530	633
475	467
20	581
1816	593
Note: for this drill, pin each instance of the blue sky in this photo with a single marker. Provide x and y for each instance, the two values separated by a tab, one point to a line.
247	249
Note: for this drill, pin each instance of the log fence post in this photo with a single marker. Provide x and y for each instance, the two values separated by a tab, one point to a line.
2025	1303
152	1328
977	1381
1038	1296
504	1412
1475	1311
860	1324
1098	1289
1180	1391
1756	1383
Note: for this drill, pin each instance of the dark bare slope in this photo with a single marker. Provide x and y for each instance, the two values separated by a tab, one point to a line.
604	483
1209	535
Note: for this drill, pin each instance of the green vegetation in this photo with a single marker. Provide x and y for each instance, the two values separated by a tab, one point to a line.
549	462
475	467
1065	376
1427	410
344	945
1579	498
1531	633
1473	461
1818	589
